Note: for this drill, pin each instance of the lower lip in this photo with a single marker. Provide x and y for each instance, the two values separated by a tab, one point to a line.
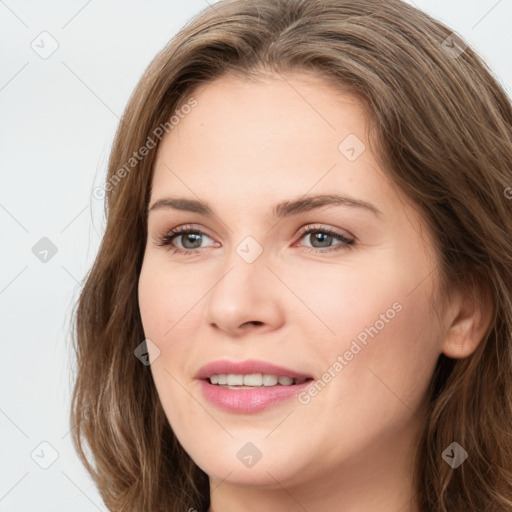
249	400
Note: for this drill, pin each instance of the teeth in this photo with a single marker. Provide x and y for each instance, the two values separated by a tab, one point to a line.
269	380
254	380
235	380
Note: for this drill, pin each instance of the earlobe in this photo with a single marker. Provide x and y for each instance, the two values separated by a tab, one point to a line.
473	311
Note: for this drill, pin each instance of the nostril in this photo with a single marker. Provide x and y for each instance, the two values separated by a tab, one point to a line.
254	322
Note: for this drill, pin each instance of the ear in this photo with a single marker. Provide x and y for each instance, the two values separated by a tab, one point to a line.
471	313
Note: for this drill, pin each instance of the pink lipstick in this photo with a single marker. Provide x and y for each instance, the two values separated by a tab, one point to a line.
249	386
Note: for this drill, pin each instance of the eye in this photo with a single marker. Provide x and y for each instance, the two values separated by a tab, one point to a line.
191	239
324	236
187	235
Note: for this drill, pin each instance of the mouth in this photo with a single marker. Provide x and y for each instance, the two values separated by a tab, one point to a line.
254	380
252	373
249	386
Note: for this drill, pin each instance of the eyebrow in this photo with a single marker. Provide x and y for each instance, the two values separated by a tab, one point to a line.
280	210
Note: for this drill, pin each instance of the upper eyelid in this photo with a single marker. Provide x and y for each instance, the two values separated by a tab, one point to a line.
303	231
314	225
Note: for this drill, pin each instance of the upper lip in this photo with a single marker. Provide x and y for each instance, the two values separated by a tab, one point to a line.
223	367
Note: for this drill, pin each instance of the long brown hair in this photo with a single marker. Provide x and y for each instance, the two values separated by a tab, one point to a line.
443	128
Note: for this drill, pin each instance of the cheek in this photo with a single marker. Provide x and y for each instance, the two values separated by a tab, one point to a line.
338	301
166	300
170	315
384	331
410	347
393	356
163	309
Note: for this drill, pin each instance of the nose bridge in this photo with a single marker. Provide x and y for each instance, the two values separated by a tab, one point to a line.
242	292
243	269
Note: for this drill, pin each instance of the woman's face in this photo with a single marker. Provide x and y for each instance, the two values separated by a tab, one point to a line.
348	306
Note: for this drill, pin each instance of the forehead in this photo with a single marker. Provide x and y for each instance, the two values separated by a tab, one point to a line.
288	131
272	110
248	147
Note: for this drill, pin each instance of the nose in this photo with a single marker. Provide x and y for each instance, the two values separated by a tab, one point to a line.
245	298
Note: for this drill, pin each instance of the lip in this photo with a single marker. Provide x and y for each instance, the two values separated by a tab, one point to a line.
245	401
223	367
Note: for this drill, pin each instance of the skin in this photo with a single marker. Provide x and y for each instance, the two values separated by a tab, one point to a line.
245	147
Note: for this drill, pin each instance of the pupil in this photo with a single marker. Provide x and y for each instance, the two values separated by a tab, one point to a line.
326	237
197	238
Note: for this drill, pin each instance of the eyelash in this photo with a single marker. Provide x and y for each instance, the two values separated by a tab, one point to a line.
167	238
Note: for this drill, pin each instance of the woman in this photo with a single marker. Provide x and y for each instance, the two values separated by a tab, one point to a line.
302	300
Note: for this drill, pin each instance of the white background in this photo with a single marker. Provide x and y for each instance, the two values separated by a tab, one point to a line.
58	118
